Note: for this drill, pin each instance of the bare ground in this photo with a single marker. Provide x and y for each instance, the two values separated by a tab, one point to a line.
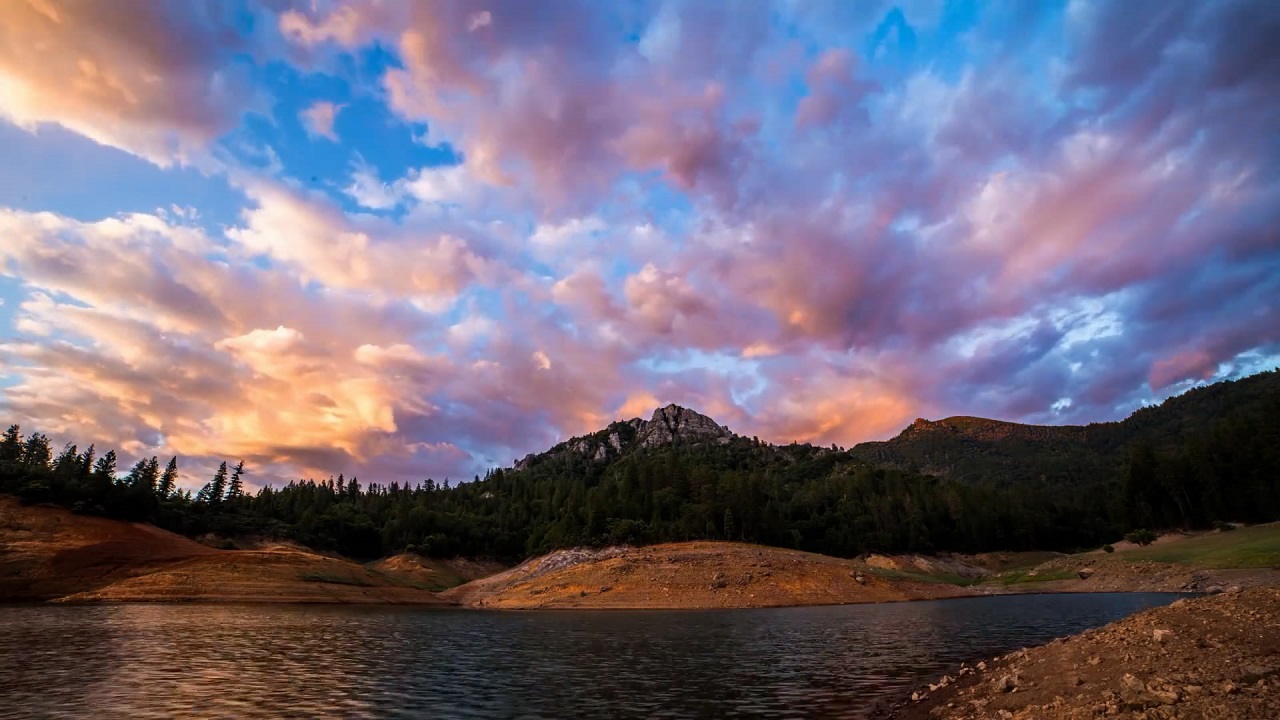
48	553
690	575
1210	658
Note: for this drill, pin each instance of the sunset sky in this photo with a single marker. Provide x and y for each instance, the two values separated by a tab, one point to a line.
422	239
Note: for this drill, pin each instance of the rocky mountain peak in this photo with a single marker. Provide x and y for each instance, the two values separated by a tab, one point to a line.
673	423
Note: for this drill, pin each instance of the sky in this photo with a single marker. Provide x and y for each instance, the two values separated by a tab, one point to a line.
409	240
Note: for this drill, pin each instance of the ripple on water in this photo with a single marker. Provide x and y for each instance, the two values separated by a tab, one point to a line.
216	661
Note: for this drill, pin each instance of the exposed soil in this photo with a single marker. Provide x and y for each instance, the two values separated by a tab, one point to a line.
1215	657
435	574
690	575
48	553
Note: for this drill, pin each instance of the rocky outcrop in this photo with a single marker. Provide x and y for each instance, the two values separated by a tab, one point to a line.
670	425
673	424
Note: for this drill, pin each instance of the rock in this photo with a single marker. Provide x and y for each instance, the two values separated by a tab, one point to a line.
1213	590
918	696
672	424
1229	688
1074	681
1251	674
1161	636
1085	573
1095	660
1132	683
1233	590
982	666
1006	683
605	588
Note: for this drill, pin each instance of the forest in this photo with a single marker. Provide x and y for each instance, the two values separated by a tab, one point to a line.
1209	455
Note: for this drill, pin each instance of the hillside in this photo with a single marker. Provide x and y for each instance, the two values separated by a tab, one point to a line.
978	449
52	554
690	575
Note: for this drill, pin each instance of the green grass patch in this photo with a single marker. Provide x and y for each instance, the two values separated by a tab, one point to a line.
336	579
1251	547
1025	576
438	582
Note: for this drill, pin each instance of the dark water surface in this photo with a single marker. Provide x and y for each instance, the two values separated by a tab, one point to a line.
212	661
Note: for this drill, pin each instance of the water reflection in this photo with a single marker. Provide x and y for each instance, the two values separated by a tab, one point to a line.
206	661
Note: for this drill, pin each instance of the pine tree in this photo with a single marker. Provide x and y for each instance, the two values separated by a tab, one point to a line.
340	487
86	465
137	474
11	448
218	486
169	480
237	487
36	455
104	471
151	477
67	466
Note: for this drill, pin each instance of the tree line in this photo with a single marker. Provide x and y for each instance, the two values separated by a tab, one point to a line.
1195	469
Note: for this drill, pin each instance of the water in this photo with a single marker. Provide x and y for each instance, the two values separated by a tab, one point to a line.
211	661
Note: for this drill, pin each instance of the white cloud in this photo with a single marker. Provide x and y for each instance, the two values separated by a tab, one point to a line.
318	118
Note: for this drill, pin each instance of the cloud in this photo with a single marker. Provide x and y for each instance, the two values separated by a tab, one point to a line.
814	222
156	80
318	117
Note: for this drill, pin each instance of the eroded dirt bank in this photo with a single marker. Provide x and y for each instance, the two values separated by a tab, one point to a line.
690	575
1215	657
51	554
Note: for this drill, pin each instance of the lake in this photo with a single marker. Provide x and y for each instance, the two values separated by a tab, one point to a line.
216	661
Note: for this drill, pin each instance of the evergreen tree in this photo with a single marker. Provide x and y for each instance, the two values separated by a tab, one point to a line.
169	480
104	471
86	465
218	486
36	454
151	475
11	448
137	474
236	490
67	466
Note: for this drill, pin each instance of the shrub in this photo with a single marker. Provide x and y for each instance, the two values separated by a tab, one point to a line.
1141	536
1109	548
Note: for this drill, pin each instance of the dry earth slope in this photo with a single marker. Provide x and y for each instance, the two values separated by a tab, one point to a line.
690	575
49	553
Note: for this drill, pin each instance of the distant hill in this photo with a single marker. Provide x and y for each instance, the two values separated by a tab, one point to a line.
978	449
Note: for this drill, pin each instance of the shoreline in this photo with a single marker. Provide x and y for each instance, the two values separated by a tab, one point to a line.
447	605
1214	652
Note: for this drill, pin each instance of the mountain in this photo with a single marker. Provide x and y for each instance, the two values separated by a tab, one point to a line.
961	484
669	426
978	449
